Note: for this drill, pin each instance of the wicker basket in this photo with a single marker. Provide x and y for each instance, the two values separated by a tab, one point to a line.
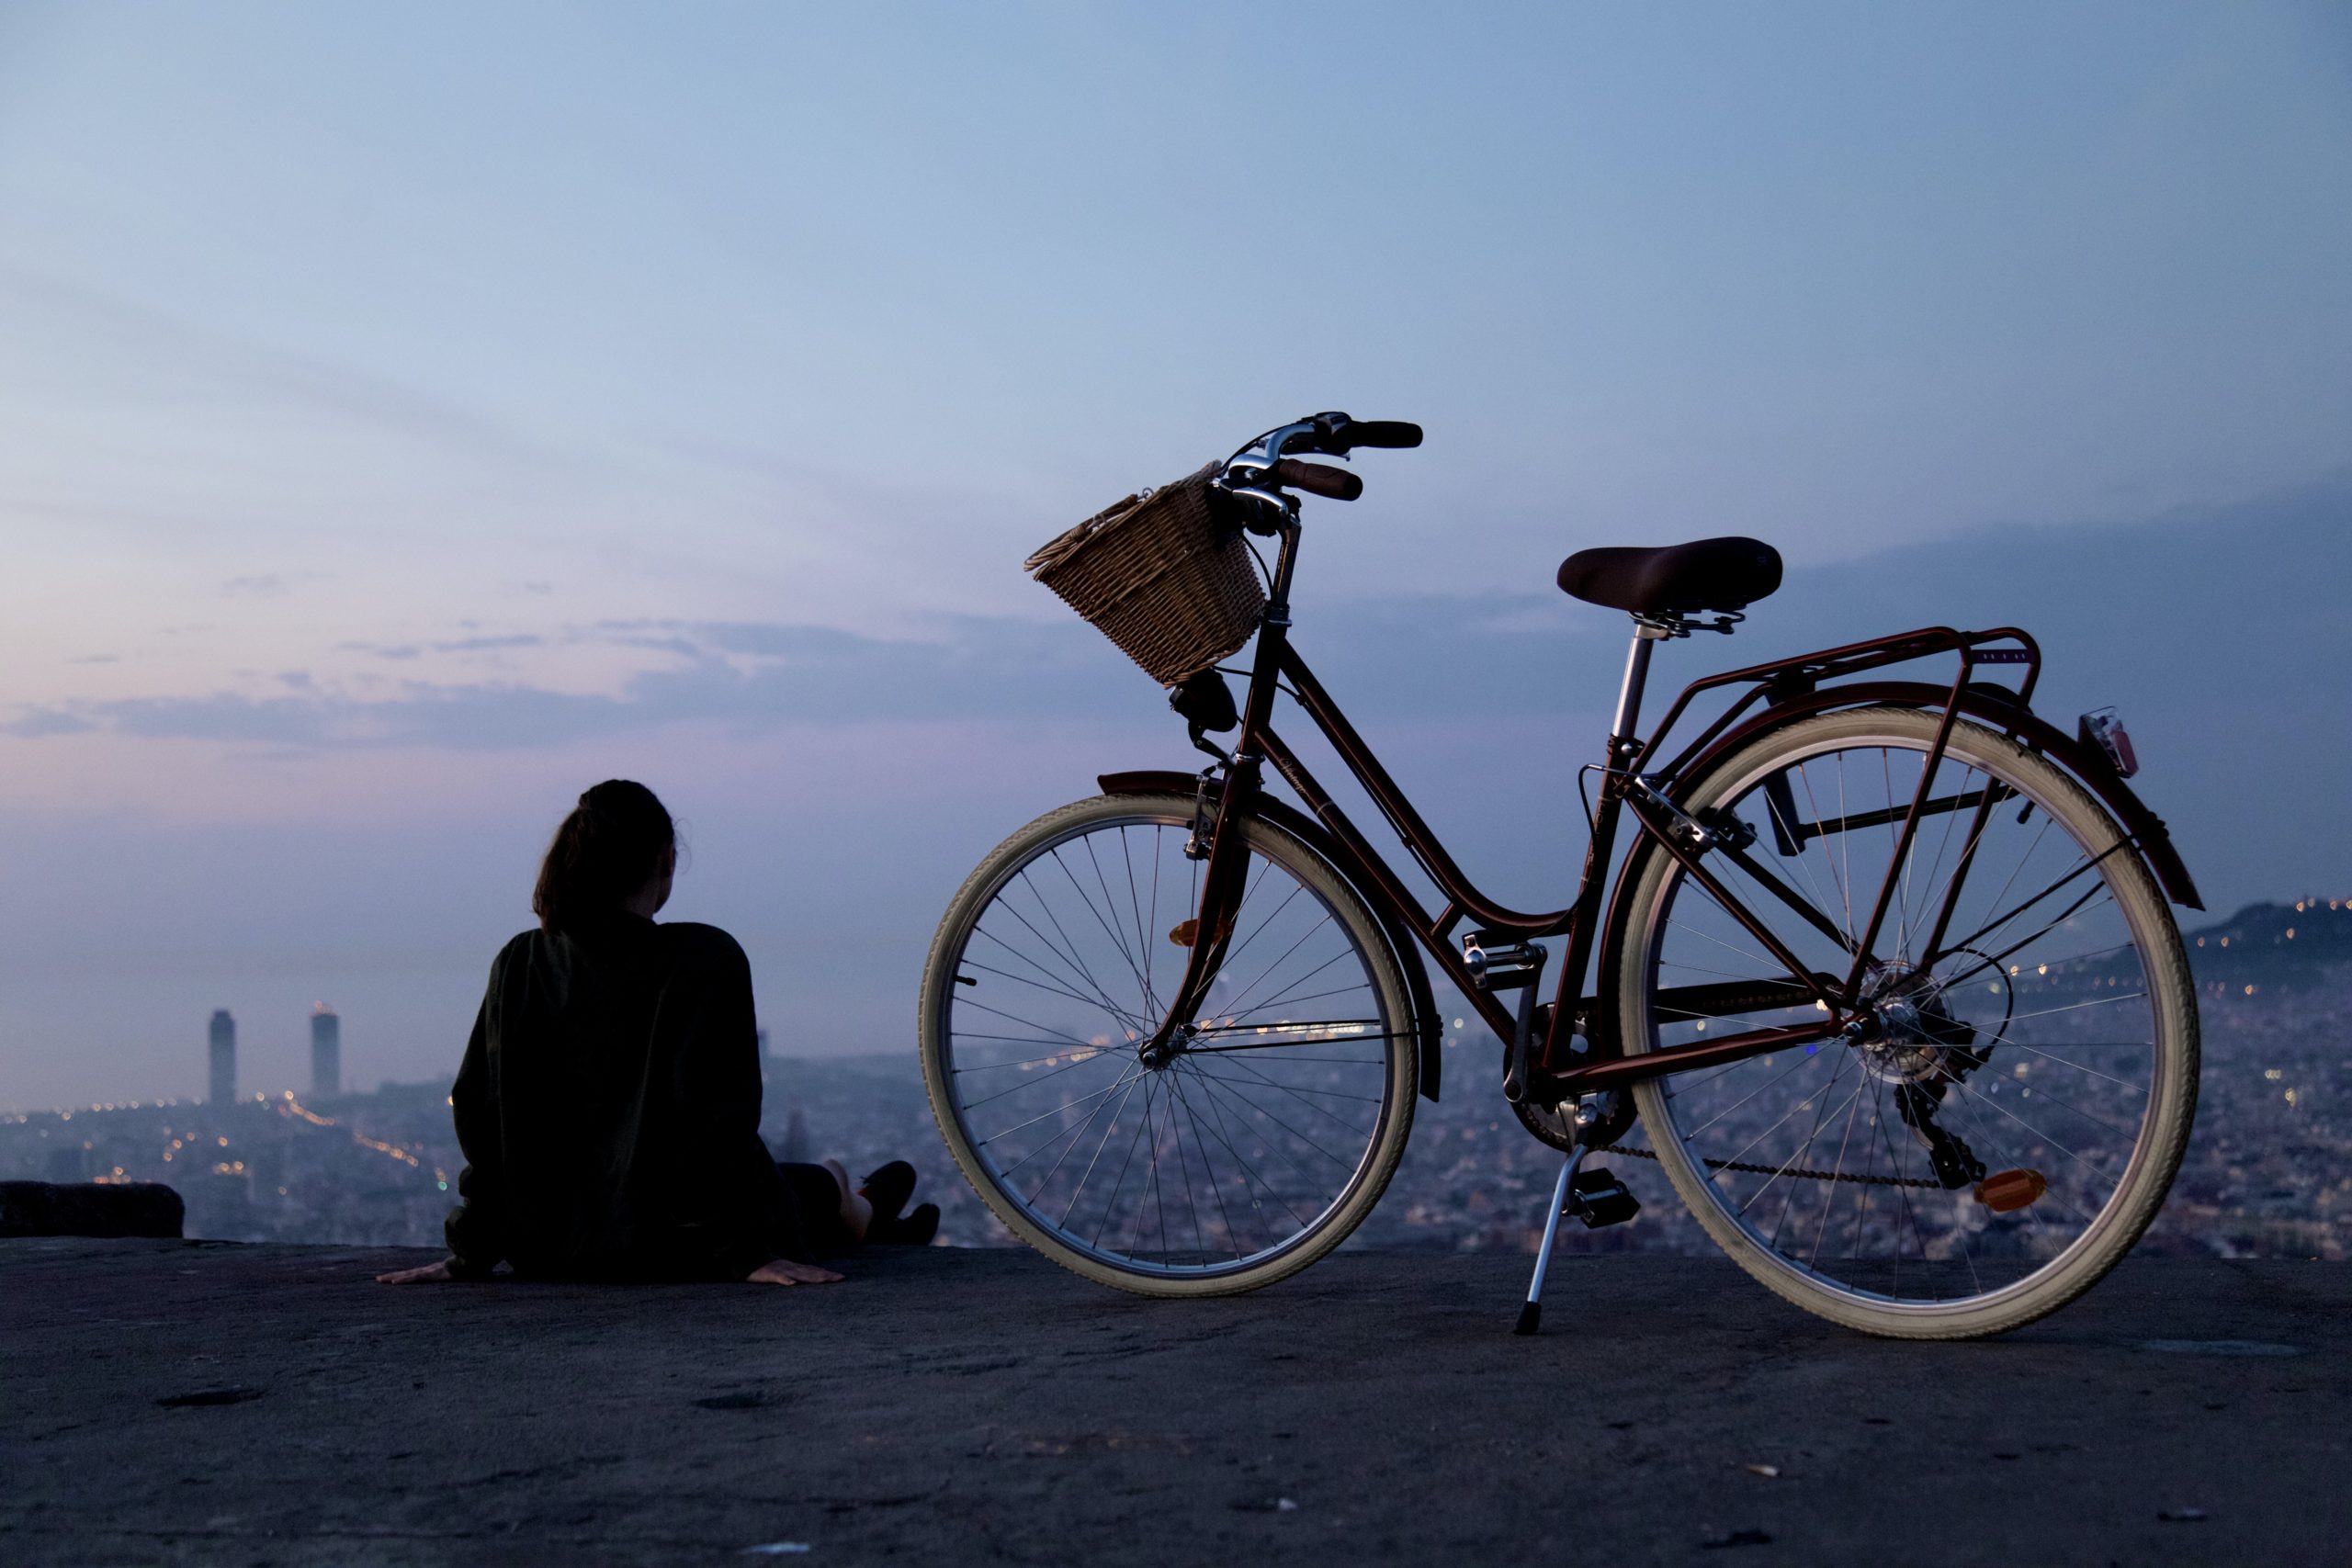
1163	575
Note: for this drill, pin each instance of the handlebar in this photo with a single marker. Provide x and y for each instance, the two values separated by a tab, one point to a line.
1380	432
1317	478
1339	434
1262	468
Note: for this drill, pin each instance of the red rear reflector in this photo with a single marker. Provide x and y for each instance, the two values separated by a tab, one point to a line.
2005	1191
2106	731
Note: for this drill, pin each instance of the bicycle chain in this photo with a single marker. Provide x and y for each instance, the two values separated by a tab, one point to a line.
1777	1170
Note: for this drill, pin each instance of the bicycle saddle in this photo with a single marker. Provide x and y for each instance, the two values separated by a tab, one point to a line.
1706	574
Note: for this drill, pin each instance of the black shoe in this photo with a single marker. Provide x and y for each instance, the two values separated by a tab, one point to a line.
915	1230
888	1190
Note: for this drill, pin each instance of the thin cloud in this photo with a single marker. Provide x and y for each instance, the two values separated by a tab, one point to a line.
39	723
271	584
352	392
484	643
2093	594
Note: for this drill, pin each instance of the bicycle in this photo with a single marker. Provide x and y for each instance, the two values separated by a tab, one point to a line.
1887	981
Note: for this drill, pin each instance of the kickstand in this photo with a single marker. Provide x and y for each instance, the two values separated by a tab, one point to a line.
1531	1313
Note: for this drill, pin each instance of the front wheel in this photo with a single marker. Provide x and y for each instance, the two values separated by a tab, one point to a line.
1254	1150
2004	1120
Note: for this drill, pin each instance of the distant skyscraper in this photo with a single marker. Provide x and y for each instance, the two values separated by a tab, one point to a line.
326	1051
225	1056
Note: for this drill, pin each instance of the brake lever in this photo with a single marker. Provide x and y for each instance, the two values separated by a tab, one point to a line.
1249	477
1256	519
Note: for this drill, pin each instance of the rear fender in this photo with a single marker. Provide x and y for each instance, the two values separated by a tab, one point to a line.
1992	705
1997	709
1428	1025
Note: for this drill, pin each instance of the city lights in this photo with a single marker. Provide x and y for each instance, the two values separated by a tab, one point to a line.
382	1167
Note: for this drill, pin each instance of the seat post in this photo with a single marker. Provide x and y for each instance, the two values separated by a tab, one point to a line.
1637	673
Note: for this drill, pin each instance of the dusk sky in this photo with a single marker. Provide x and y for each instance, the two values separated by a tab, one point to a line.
409	416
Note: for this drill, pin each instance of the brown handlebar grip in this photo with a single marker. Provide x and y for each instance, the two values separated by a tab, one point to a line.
1318	478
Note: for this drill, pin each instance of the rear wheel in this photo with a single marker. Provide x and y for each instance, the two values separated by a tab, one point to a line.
2014	1112
1253	1151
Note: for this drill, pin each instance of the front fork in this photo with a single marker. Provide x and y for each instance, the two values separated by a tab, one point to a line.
1223	886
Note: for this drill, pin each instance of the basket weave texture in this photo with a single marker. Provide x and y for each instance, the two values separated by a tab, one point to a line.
1163	575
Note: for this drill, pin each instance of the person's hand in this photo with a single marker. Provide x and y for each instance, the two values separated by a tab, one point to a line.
784	1272
430	1272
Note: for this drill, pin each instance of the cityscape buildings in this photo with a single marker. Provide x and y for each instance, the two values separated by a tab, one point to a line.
224	1057
326	1053
2267	1173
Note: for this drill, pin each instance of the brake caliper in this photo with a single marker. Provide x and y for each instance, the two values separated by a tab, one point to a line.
1204	817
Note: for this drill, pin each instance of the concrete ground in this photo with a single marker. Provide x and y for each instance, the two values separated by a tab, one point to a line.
203	1402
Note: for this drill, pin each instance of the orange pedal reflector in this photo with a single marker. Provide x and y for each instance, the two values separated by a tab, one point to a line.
1182	935
2005	1191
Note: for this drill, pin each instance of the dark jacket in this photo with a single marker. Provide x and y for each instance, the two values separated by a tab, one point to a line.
609	1111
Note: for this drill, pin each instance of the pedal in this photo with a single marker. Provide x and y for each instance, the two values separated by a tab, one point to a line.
1600	1199
1502	967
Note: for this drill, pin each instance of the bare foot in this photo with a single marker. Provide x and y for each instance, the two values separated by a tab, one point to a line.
856	1212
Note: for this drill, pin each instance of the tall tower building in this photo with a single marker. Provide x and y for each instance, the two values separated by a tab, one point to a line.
224	1057
326	1051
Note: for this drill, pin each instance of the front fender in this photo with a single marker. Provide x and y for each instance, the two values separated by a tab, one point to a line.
1428	1025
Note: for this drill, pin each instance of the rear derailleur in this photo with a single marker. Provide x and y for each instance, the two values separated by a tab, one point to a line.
1951	1050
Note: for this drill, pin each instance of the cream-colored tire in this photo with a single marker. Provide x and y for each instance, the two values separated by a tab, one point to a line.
2069	1061
1251	1154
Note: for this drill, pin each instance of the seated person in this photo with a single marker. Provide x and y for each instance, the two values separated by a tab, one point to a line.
609	1104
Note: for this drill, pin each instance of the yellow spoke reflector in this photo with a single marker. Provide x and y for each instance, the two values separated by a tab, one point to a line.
2005	1191
1182	935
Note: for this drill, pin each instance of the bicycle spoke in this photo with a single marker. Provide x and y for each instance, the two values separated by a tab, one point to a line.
1251	1178
1024	980
1038	1082
1224	1086
1178	1166
1080	1129
1829	1188
1288	995
1239	1010
1898	1133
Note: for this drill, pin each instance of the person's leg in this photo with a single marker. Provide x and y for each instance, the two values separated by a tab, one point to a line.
856	1212
888	1190
834	1214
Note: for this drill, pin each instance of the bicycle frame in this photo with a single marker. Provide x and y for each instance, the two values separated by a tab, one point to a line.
1573	1054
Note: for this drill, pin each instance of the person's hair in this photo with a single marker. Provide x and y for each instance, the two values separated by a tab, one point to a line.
609	846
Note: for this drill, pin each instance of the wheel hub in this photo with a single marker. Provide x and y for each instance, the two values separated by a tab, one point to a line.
1905	1034
1157	1058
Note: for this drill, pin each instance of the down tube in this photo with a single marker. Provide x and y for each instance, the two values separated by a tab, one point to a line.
1379	881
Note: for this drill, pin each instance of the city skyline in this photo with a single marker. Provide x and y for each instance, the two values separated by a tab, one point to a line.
2263	1175
2204	934
680	404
